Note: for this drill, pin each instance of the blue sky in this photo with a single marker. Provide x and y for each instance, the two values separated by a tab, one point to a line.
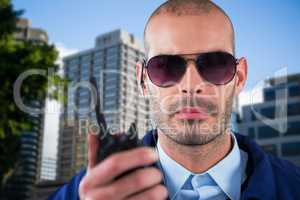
267	32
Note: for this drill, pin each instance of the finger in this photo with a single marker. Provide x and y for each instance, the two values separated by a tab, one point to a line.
157	192
117	164
126	186
137	181
93	146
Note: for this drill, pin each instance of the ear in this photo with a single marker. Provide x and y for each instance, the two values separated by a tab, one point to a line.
241	75
141	77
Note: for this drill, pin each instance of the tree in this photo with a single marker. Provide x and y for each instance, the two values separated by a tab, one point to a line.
15	58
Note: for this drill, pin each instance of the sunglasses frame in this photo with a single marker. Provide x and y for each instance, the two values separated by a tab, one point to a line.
145	65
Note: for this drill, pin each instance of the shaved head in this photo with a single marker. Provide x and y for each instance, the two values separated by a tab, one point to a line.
177	35
189	8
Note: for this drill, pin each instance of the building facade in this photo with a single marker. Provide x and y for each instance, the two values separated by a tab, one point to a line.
26	32
112	63
275	123
45	188
48	171
27	172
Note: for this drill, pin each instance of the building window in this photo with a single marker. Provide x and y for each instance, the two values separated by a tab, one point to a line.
268	112
74	62
294	91
265	132
294	109
99	54
112	88
293	128
269	95
113	50
109	103
291	149
110	107
98	61
111	94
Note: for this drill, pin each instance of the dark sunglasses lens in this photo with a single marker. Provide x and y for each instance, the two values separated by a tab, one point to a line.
165	71
217	68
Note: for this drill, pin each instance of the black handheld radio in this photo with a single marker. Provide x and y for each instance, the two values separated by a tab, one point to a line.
112	143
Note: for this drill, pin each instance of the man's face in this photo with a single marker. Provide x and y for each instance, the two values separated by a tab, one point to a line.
181	35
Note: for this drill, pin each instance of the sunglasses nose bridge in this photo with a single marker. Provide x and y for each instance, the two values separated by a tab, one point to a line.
191	80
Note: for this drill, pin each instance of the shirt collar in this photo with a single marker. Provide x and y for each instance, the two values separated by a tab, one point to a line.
229	173
171	168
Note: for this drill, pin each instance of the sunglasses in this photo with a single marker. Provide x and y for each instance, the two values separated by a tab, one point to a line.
218	68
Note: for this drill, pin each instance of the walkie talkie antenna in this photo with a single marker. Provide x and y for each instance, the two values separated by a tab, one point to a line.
99	115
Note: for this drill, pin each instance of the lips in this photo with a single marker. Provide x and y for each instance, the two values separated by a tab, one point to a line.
191	113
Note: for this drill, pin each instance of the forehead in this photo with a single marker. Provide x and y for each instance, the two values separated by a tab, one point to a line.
169	34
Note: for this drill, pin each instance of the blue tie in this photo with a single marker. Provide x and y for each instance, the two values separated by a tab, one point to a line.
200	187
187	191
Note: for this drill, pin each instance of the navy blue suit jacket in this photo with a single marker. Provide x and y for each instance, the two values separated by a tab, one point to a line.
268	177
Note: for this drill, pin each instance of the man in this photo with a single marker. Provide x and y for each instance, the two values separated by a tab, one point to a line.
190	77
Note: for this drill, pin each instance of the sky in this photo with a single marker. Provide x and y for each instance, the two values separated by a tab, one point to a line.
267	32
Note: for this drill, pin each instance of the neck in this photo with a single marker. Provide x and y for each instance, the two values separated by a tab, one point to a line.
197	158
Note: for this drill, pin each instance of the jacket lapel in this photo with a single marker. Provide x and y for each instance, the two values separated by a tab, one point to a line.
260	177
259	171
150	140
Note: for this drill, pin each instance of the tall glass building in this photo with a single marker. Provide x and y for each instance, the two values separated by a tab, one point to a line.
112	62
26	174
275	123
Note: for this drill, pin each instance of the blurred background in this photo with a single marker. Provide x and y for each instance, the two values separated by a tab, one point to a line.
70	41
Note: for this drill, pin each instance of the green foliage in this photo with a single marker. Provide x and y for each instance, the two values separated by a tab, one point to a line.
16	58
24	56
8	18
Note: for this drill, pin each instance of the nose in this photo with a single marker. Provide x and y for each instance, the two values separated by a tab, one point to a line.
191	83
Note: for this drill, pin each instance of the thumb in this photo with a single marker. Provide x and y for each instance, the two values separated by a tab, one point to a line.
93	146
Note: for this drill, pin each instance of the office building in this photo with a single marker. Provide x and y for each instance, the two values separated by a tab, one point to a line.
26	32
112	62
275	123
27	171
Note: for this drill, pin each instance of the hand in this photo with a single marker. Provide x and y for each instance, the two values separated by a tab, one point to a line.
99	182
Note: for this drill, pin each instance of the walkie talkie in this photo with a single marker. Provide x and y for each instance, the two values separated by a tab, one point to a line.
112	143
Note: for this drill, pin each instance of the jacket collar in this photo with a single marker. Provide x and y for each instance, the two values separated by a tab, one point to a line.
260	179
